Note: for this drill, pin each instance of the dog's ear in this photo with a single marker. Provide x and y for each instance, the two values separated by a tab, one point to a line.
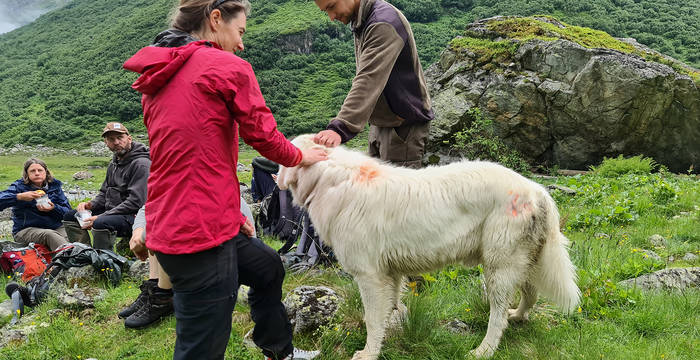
287	176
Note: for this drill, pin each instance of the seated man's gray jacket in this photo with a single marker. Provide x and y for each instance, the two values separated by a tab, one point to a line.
124	190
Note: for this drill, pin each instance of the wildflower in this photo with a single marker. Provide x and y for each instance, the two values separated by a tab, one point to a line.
467	309
579	309
336	328
9	276
81	324
348	333
19	312
129	286
33	323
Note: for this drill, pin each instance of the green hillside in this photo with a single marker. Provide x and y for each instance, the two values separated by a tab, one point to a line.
61	76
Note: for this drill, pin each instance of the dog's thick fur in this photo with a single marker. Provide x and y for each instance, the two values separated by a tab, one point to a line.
384	222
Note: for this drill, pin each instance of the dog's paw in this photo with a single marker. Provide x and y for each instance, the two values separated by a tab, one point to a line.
513	315
365	355
482	352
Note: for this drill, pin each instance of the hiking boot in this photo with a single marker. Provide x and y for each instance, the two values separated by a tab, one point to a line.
299	354
76	233
140	300
103	239
159	304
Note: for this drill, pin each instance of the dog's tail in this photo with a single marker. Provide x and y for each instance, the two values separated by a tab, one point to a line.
555	277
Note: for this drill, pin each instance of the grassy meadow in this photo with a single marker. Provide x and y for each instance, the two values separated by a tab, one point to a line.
609	220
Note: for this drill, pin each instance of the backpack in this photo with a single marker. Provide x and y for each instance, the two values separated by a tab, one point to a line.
28	261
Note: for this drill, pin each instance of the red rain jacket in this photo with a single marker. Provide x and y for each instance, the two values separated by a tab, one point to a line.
196	99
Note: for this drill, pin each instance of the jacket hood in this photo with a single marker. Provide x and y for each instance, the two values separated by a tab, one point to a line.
137	151
173	38
158	64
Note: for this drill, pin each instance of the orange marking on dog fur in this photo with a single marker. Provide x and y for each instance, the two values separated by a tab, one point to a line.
367	173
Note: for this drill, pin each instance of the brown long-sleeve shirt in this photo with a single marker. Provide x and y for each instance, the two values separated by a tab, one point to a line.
389	89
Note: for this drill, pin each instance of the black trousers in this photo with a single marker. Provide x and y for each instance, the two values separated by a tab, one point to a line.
121	224
205	286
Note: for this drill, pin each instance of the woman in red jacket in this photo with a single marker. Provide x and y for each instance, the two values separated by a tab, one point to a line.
197	99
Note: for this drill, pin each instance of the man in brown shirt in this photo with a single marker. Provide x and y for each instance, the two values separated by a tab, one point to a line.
388	90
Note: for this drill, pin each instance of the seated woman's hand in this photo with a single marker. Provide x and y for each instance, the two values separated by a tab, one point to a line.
29	196
45	208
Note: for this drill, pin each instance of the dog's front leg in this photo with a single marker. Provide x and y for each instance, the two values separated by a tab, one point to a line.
378	298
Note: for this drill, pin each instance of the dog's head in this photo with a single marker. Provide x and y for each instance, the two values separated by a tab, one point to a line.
288	177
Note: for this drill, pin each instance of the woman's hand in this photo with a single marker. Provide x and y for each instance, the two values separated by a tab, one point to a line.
29	196
45	208
312	156
247	228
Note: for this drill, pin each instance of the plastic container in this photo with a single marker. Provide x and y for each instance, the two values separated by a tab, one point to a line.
43	201
82	216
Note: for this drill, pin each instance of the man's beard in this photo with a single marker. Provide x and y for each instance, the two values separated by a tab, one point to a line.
122	152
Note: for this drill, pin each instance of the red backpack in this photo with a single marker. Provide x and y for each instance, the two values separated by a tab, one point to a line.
28	261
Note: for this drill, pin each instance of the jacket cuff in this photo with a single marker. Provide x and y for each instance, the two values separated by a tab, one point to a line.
341	129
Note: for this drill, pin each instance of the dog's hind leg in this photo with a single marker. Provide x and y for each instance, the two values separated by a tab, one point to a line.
400	311
528	298
378	297
501	283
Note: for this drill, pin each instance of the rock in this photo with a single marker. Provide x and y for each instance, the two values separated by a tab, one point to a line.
564	189
565	104
690	257
657	240
243	295
6	214
78	275
6	308
242	167
139	270
247	195
82	175
667	279
648	254
6	229
309	307
457	326
79	298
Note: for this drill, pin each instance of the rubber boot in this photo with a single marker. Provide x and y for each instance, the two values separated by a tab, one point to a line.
159	304
140	300
103	239
76	233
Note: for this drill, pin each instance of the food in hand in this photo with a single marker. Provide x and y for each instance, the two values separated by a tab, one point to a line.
40	192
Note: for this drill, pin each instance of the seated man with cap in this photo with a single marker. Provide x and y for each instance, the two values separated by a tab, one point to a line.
122	194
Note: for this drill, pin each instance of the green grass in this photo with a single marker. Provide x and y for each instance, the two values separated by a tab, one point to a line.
613	323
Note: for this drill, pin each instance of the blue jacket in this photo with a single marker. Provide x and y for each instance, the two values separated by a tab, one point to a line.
25	213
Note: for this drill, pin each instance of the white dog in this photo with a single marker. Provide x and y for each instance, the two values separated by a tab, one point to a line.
384	222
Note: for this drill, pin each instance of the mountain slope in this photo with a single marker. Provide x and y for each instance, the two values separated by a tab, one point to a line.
61	76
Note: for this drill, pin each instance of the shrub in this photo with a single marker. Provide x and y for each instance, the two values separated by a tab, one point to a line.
614	167
478	141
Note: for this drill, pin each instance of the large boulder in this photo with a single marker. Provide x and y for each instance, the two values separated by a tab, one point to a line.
560	103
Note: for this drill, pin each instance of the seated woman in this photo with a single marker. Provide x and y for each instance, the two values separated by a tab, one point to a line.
35	219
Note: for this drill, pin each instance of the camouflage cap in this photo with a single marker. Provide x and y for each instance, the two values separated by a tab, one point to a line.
115	127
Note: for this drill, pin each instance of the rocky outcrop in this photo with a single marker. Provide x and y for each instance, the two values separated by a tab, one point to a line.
666	279
560	103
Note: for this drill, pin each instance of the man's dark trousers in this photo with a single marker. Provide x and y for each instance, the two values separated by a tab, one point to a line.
205	286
